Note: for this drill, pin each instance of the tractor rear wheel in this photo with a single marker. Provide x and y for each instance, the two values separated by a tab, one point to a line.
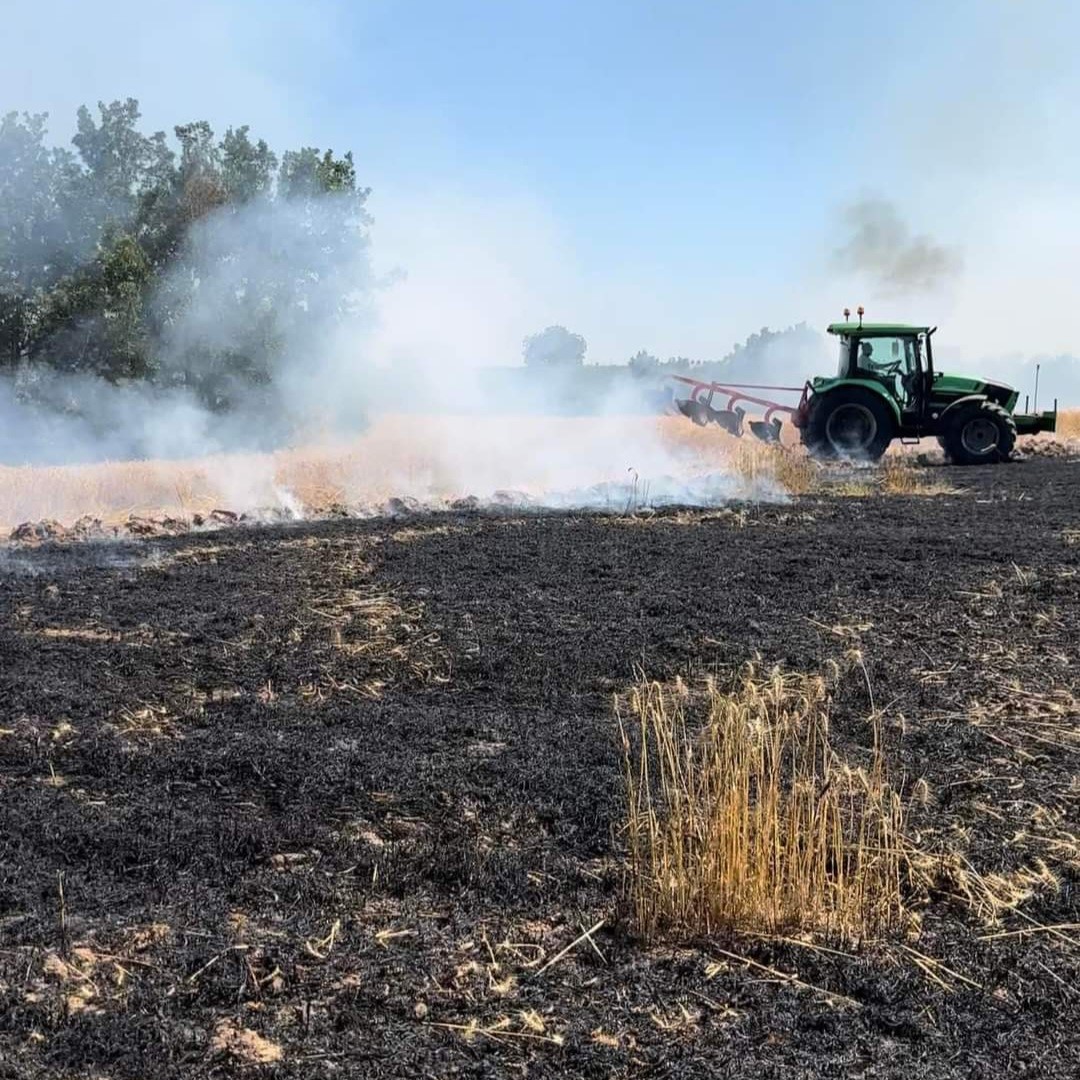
982	433
849	422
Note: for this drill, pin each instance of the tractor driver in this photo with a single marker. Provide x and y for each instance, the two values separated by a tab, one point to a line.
887	373
871	367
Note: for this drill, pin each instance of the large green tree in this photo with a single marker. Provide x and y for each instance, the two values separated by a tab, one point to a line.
40	233
189	260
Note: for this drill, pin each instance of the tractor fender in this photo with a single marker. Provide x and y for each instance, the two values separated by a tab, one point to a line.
866	384
968	399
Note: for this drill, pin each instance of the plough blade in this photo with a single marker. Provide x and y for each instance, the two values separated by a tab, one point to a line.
695	410
767	432
731	420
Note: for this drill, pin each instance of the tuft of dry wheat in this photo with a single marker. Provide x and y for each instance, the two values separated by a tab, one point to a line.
792	469
1068	424
740	815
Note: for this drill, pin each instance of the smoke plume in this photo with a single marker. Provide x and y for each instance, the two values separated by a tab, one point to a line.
880	246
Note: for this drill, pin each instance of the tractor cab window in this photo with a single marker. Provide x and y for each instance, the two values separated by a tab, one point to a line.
891	360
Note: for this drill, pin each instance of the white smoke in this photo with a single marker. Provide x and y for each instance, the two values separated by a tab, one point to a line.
431	335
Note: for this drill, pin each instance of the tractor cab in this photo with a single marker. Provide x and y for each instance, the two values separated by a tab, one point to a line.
894	356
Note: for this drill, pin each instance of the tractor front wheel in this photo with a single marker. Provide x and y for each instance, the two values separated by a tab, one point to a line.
982	433
849	422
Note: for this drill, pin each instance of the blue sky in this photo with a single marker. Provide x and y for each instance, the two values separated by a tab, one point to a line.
662	175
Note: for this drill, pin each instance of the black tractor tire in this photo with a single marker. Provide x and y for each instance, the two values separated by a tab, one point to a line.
982	433
849	422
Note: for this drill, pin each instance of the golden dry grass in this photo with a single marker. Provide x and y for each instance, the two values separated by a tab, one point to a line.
789	468
434	457
113	491
439	457
740	815
1068	424
426	457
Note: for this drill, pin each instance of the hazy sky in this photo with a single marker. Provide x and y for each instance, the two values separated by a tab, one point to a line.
669	175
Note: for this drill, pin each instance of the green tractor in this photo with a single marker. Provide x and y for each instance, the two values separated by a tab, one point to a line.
886	388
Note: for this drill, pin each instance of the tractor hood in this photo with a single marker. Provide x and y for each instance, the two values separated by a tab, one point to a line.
947	385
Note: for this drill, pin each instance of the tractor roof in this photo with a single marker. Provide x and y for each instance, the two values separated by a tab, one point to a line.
875	329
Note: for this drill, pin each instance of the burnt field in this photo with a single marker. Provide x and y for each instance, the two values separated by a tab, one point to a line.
343	799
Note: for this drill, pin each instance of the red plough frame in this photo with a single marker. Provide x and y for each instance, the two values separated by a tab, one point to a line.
699	407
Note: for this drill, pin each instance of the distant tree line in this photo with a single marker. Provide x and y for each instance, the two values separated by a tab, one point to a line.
767	352
791	353
96	259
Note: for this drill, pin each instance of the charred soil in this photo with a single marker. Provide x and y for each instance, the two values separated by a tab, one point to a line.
333	799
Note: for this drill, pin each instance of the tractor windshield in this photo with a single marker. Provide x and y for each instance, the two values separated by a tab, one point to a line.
894	361
888	359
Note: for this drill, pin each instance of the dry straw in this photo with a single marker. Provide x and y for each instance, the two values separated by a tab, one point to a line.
740	815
